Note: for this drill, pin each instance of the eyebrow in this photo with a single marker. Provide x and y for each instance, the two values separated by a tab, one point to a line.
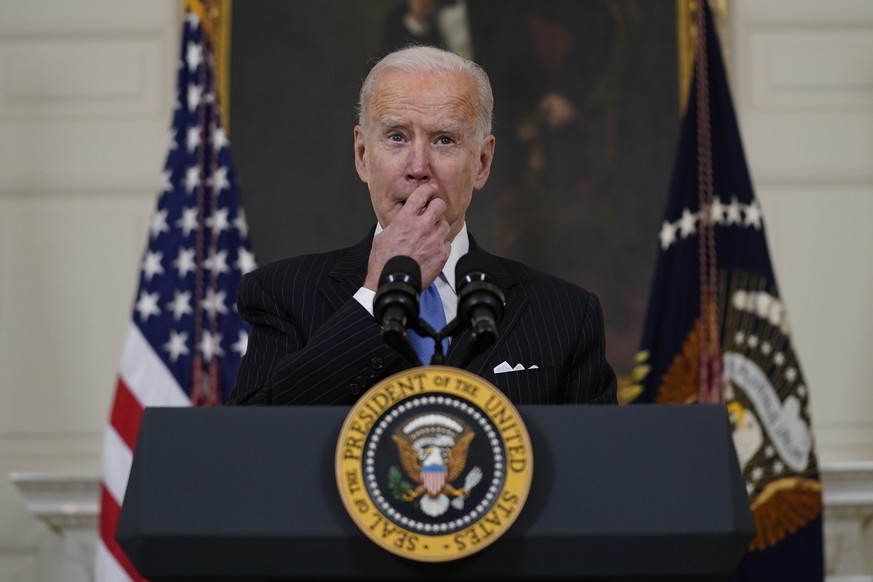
450	129
389	124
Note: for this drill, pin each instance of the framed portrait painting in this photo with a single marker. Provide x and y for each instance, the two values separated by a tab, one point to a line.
586	121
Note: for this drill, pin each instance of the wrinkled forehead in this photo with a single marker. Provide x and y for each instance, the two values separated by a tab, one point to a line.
398	94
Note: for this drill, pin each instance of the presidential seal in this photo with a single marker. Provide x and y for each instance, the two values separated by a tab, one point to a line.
433	464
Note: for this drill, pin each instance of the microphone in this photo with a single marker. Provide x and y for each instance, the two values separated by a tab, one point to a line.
480	300
396	303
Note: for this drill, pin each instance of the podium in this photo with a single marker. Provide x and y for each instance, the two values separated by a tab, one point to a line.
648	492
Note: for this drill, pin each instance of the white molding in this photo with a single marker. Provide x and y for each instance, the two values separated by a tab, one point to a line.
802	89
799	13
848	517
821	68
71	76
838	443
61	501
146	193
848	484
69	506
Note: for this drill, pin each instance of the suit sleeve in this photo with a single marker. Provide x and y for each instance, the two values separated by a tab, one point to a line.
591	380
295	358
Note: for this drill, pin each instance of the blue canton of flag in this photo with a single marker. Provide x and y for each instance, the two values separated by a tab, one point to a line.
717	329
185	340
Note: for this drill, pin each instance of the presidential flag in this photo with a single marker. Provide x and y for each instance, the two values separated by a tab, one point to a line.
184	341
717	328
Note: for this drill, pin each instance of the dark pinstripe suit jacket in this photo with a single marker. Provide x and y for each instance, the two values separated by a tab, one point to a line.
313	343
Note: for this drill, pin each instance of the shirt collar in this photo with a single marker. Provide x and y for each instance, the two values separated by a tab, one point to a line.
460	247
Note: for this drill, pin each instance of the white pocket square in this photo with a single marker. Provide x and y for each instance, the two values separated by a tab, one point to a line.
504	367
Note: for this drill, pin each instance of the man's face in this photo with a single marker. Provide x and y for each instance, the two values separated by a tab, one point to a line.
421	130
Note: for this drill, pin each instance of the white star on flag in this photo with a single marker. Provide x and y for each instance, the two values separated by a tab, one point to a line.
219	138
733	212
240	223
177	345
181	304
151	266
214	302
217	263
147	305
246	261
194	97
687	224
188	221
185	262
193	138
192	179
219	179
166	183
753	215
241	344
159	223
218	221
716	211
194	56
210	346
668	235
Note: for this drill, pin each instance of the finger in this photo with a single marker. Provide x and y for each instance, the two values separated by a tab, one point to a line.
435	210
421	197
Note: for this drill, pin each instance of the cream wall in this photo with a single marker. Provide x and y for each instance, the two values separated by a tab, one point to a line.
85	100
803	85
85	96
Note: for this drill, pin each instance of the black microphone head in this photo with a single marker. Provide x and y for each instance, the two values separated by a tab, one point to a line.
403	269
476	287
472	262
399	288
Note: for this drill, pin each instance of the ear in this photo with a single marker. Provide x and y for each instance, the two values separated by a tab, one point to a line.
360	157
486	155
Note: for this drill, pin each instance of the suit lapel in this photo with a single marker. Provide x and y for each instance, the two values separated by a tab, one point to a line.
347	275
516	303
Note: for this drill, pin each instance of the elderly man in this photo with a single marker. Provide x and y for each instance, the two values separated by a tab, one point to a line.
422	146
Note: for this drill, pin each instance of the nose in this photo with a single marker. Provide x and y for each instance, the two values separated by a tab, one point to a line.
418	164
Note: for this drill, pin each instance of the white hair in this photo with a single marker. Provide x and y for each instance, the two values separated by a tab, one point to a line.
427	60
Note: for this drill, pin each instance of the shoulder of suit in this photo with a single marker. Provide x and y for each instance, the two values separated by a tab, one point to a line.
537	281
314	263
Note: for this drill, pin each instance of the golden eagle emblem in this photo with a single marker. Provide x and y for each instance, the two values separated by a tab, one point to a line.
433	452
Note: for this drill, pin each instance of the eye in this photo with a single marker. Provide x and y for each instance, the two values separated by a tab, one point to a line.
395	137
445	140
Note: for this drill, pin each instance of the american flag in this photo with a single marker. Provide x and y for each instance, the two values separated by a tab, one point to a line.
185	340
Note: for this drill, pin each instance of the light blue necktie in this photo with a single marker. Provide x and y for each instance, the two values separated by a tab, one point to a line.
430	309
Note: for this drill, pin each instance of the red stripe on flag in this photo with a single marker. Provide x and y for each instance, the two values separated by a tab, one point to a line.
126	414
109	512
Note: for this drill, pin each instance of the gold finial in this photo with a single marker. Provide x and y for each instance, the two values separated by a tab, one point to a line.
215	17
686	36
